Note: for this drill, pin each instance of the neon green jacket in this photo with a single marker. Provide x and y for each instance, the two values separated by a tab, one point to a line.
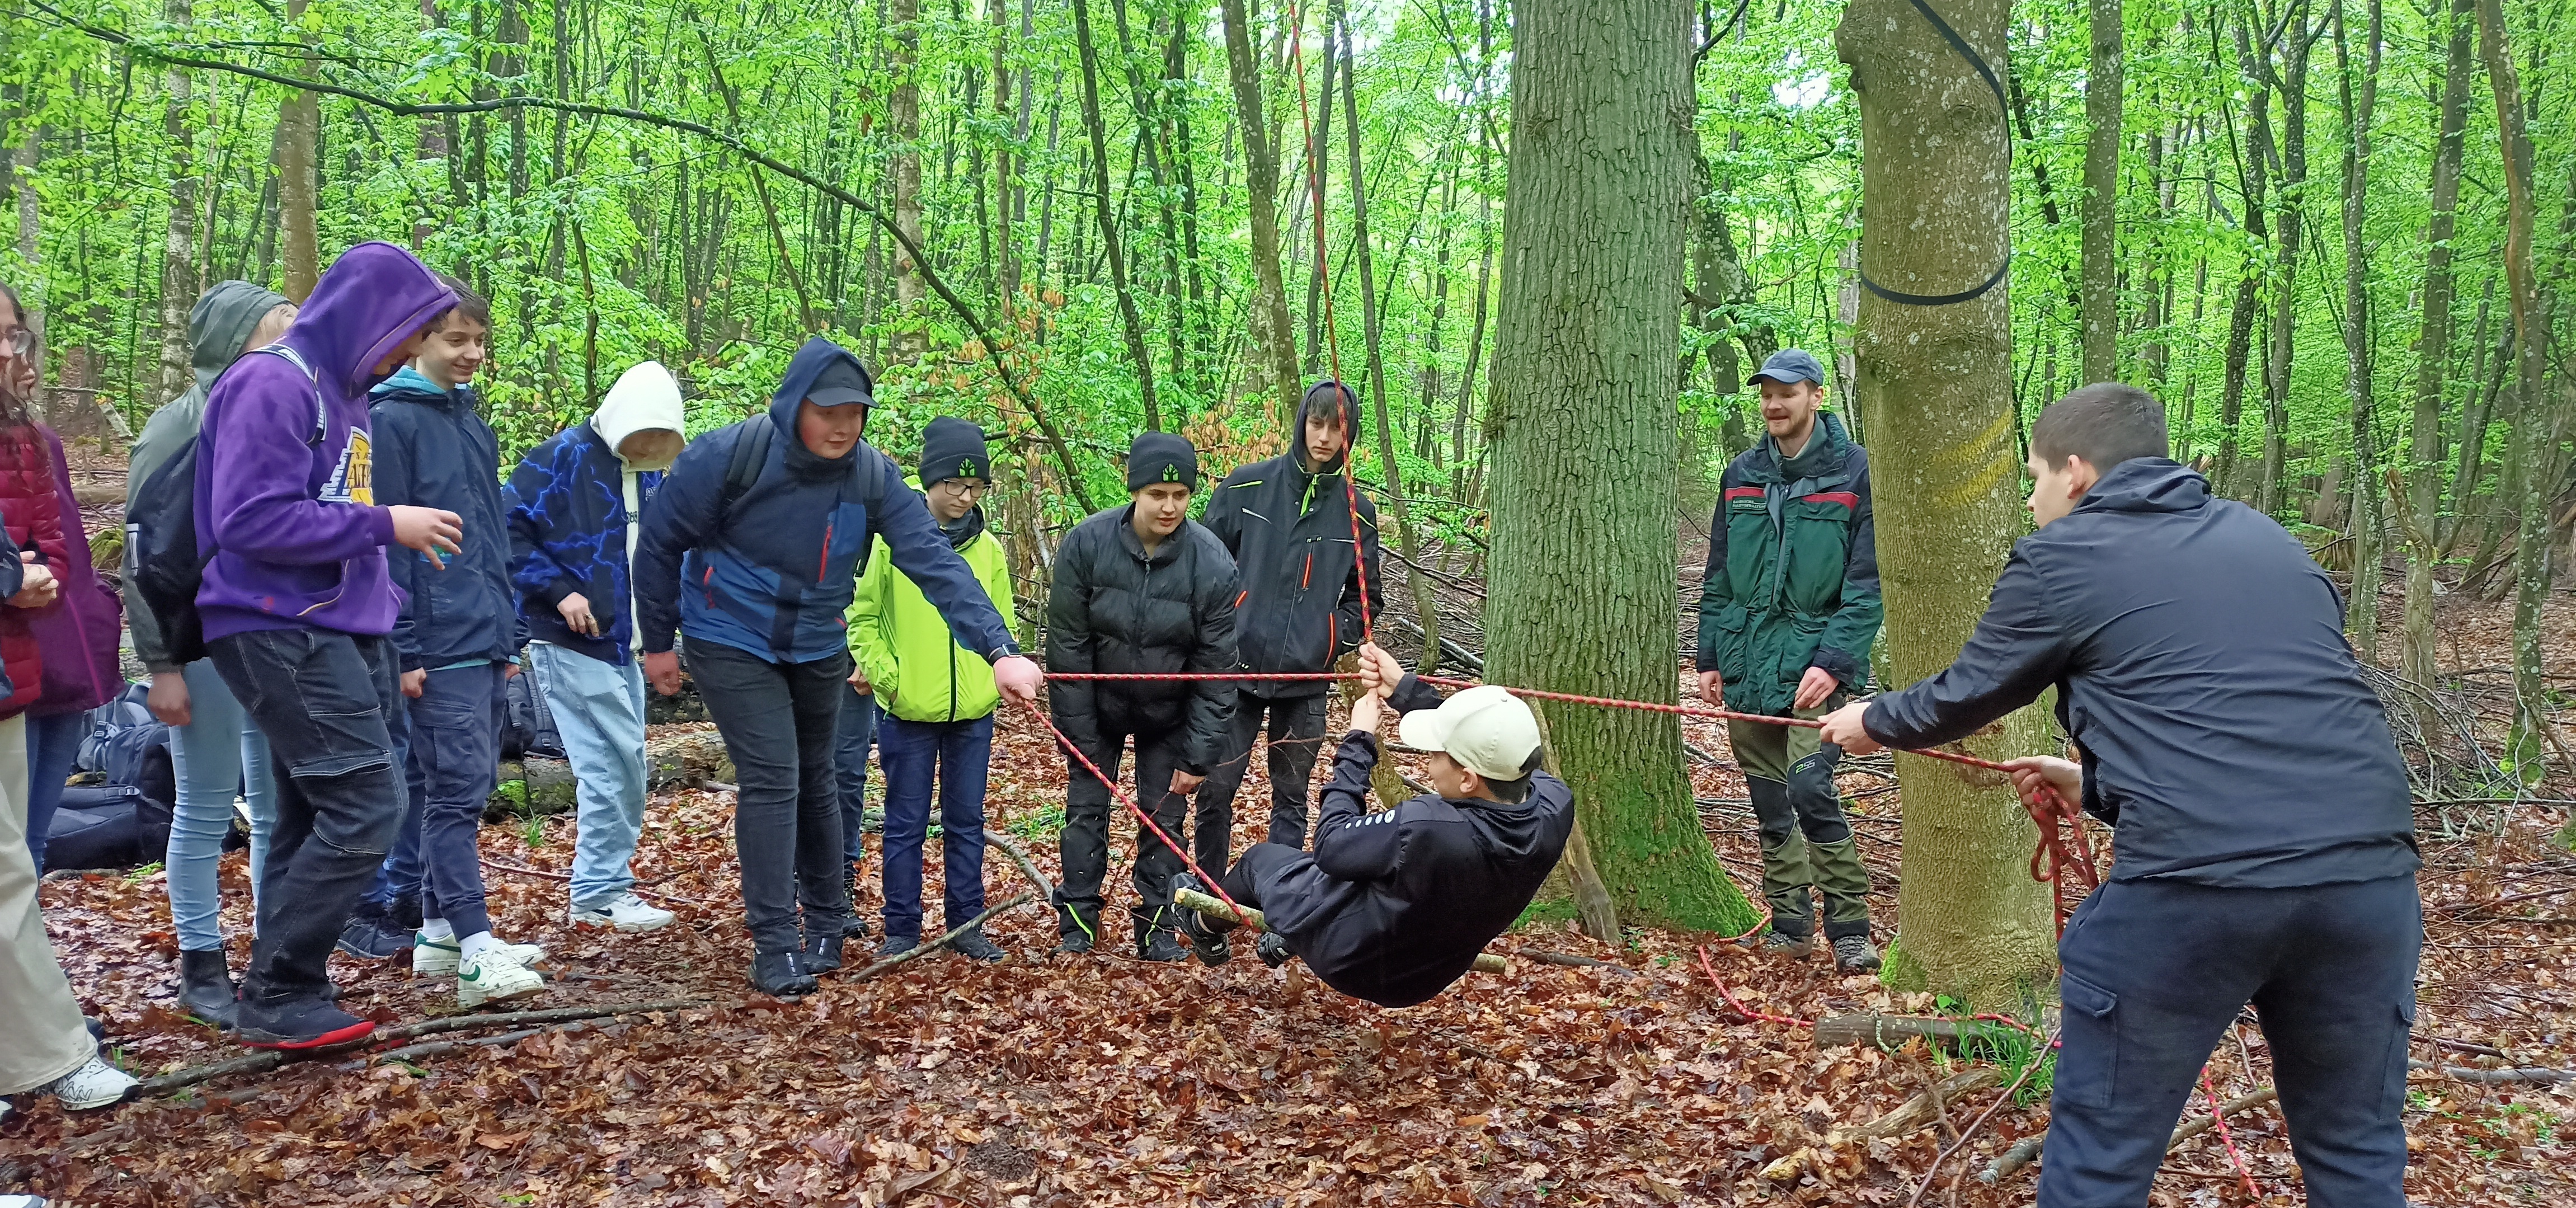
918	671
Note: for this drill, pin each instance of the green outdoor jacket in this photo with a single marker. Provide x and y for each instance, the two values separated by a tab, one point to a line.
1792	578
917	670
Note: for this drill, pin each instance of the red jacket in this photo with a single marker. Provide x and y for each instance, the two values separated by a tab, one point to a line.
32	512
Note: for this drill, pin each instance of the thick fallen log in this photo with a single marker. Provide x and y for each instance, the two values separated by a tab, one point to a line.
1217	909
2463	1073
539	785
1920	1111
1889	1031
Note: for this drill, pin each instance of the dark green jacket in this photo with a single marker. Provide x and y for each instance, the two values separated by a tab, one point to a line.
1792	577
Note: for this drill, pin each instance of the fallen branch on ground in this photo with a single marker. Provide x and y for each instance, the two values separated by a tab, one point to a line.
271	1059
1028	868
881	968
1578	962
1965	1134
2533	1073
1924	1108
2028	1149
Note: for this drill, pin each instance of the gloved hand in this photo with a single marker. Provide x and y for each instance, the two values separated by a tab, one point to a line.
1273	950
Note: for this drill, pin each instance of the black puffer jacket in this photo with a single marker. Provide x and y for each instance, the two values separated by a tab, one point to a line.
1113	608
1291	533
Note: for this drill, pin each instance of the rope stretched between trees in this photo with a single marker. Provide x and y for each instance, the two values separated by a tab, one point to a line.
1332	334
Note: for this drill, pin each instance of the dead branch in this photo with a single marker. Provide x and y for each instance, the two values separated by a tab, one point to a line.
273	1058
889	964
2028	1150
1924	1108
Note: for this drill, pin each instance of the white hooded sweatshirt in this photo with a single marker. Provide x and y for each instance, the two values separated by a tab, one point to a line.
644	399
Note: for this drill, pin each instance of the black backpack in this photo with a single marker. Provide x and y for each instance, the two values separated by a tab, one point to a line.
161	529
751	452
527	725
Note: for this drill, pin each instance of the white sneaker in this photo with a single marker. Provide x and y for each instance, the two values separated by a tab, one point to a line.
625	912
439	958
96	1084
492	975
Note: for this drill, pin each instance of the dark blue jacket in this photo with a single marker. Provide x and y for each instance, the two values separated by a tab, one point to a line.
567	503
773	574
2200	664
432	450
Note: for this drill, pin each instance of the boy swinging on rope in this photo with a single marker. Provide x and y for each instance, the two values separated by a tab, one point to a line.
1393	906
2266	846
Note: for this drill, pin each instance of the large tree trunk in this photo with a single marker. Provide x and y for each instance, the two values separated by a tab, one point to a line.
1937	381
1273	367
2100	285
2357	99
299	119
1581	409
903	19
179	249
1132	323
2535	436
2432	377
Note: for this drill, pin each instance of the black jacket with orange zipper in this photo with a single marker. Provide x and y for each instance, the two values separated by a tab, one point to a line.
1300	572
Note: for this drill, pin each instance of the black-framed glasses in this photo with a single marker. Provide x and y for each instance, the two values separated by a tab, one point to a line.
968	488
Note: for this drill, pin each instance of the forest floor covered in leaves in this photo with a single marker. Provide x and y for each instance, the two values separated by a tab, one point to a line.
1105	1080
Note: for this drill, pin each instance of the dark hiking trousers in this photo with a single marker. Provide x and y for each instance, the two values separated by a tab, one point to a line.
1085	843
1807	844
780	722
321	698
1296	734
2155	972
1257	871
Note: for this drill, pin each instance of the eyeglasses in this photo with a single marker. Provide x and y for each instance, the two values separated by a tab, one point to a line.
960	486
19	342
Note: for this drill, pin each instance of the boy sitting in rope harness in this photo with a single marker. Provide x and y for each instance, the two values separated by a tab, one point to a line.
2266	847
1393	906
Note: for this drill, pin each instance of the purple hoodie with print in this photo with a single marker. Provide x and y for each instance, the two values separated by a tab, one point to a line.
297	535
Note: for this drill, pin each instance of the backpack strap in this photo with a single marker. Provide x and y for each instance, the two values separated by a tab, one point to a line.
750	455
321	410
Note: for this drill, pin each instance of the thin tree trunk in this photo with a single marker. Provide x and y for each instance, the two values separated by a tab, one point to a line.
1424	609
1937	383
2101	294
178	251
2433	347
298	116
1133	322
903	21
2536	435
1319	144
1006	266
1589	328
2252	176
2357	99
2290	218
1274	362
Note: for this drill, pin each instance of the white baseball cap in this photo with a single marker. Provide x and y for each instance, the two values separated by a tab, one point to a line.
1486	729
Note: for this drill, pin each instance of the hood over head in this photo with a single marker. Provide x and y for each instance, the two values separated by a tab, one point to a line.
1319	396
2147	484
222	321
646	398
804	372
374	297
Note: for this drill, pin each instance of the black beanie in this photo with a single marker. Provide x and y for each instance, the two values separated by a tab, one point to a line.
953	448
1161	457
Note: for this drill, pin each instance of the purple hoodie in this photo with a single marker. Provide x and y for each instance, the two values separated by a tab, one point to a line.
297	536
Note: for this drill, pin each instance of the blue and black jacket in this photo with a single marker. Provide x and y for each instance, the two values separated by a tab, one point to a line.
772	571
433	450
567	504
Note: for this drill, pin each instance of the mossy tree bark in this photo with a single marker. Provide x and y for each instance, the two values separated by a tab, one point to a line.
1581	421
1936	381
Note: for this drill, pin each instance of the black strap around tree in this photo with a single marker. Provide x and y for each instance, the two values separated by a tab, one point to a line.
2003	113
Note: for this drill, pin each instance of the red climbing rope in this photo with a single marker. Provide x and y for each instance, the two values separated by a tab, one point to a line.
1332	337
1214	886
1740	1008
2218	1116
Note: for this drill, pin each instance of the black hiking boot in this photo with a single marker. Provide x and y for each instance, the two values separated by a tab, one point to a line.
1207	935
823	954
781	973
206	988
973	946
855	927
1158	943
300	1023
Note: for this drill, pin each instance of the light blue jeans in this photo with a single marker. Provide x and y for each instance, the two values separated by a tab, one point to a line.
217	755
599	711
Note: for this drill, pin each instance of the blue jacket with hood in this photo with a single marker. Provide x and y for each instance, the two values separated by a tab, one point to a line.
569	519
434	451
773	574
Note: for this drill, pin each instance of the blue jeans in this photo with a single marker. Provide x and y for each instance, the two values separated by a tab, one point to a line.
400	877
850	746
52	744
455	762
599	710
958	753
217	755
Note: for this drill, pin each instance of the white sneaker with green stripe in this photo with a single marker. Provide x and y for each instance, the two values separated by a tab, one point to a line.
490	976
438	958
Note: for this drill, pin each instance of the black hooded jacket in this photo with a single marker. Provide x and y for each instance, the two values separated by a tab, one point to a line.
1395	905
1115	608
1289	528
2200	663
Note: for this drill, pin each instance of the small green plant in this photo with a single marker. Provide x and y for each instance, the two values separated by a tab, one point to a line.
2013	1049
140	875
1046	823
532	830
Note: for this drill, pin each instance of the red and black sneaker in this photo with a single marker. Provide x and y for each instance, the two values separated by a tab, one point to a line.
308	1023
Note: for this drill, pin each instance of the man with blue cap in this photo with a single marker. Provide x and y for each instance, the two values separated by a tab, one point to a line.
1788	608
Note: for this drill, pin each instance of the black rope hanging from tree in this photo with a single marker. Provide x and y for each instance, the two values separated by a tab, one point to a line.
2002	116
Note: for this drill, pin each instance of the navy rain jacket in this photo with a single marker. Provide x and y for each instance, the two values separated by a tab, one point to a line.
773	574
567	505
433	450
2201	667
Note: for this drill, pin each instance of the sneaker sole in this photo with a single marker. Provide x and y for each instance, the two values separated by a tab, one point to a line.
254	1038
502	996
602	922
